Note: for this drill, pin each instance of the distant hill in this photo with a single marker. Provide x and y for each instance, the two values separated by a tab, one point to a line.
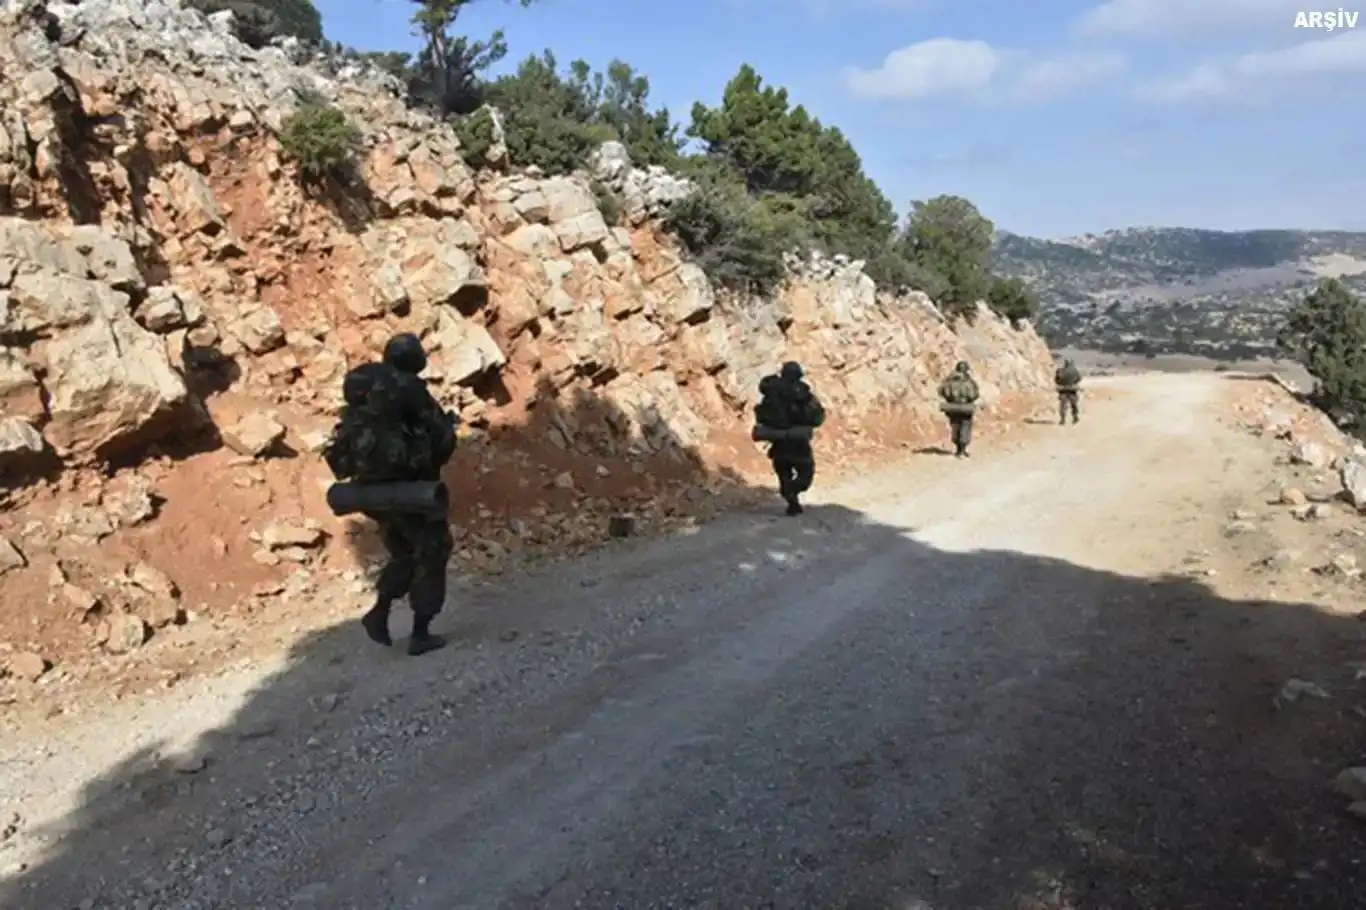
1217	294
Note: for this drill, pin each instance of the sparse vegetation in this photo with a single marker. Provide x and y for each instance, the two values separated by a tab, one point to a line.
608	204
476	135
948	237
258	22
1326	334
1011	299
321	140
772	178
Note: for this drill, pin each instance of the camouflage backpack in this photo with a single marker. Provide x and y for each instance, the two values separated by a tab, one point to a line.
772	410
959	390
376	439
785	404
1068	377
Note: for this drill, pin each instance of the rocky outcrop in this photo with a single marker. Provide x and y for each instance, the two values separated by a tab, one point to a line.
172	299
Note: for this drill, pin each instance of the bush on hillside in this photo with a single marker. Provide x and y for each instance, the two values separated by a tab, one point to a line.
739	246
257	22
609	206
1326	334
476	134
948	237
547	121
772	178
555	122
320	139
1011	299
789	162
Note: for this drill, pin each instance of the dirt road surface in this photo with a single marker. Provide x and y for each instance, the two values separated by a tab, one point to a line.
991	683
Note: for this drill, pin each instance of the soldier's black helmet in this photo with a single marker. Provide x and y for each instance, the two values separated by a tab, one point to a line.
791	371
404	352
962	367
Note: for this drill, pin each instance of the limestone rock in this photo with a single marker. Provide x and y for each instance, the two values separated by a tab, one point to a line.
1292	496
259	330
463	349
10	556
19	439
581	231
1311	454
82	523
124	633
647	192
567	198
27	666
1352	474
107	381
292	534
165	309
255	434
20	394
685	295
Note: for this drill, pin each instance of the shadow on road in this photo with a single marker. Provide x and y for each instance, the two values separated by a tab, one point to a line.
1032	734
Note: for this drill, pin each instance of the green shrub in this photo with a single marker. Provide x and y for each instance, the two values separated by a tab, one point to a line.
1011	299
772	178
257	22
608	204
547	121
476	135
320	139
1326	334
948	237
739	243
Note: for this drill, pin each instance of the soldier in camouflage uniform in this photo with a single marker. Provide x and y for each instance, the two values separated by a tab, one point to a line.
789	402
393	430
959	393
1068	381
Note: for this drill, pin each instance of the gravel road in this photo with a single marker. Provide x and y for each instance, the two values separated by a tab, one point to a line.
952	685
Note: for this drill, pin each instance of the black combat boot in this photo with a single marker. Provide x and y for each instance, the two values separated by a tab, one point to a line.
793	506
376	623
423	641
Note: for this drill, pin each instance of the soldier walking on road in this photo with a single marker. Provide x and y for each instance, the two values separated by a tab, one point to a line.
960	393
393	431
786	415
1068	380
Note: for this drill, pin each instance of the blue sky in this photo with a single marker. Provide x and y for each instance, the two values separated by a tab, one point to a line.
1055	117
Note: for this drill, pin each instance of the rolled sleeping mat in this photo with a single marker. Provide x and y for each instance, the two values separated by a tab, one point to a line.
761	433
422	497
958	409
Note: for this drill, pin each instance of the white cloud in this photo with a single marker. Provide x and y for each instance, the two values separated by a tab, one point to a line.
1153	18
1248	76
951	67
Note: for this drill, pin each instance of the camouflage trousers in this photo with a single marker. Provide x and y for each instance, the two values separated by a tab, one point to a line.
419	548
794	476
1067	404
960	427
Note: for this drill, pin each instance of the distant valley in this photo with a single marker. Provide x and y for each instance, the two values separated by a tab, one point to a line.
1213	294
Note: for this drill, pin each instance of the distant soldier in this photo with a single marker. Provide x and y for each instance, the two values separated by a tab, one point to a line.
786	415
392	431
1068	380
959	393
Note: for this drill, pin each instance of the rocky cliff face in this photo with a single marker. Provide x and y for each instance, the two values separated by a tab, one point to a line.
176	313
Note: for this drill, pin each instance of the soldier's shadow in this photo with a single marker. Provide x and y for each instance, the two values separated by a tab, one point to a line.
932	450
